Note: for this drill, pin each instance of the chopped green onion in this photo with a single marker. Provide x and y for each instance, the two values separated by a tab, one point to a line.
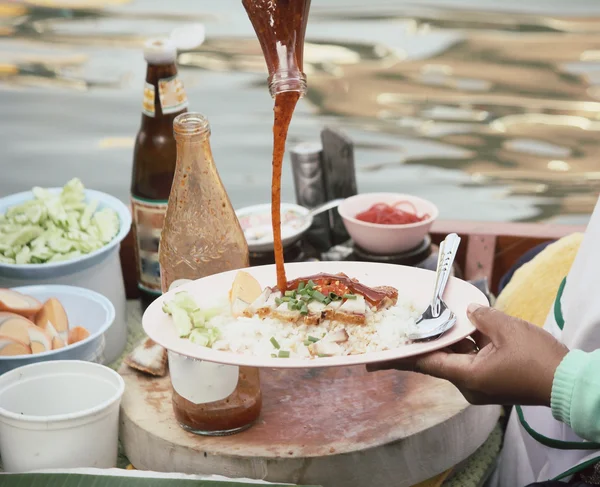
307	343
304	309
310	285
292	305
300	286
312	339
327	301
323	355
284	354
290	294
318	296
273	355
278	302
286	299
275	343
334	297
350	296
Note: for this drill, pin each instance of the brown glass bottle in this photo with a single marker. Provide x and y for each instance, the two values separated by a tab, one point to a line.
280	26
154	161
202	236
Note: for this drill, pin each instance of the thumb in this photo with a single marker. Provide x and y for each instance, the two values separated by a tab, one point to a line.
489	321
454	367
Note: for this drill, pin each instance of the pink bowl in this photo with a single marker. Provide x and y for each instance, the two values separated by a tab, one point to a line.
386	239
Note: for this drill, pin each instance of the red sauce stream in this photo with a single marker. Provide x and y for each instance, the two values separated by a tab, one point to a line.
285	103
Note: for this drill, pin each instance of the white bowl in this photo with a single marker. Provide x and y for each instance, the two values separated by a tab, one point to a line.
62	414
99	271
256	223
386	239
55	269
84	308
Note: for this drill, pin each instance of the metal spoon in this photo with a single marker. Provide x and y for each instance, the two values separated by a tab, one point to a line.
438	318
323	208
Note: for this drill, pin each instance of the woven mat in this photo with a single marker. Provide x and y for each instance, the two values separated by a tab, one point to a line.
472	473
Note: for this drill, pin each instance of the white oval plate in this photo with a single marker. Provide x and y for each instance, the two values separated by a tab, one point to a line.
256	224
415	284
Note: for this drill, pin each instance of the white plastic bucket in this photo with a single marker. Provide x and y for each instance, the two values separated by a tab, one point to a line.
99	271
61	414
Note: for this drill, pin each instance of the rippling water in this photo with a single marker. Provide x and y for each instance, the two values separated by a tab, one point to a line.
490	110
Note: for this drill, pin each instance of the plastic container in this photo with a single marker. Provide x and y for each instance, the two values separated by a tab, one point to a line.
99	271
386	239
84	308
62	414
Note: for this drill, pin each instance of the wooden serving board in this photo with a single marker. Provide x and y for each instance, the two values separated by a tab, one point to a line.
337	427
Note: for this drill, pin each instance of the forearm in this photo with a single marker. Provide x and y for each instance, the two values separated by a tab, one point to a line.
576	393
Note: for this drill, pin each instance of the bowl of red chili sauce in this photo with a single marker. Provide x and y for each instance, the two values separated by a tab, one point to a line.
387	223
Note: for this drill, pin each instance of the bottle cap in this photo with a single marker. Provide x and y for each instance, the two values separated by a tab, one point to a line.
160	51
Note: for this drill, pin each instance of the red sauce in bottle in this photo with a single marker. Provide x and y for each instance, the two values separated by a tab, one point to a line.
233	414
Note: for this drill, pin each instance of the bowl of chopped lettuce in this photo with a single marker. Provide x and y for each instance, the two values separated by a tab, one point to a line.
48	232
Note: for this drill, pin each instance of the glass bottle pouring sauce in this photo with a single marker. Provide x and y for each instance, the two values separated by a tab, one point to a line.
202	236
280	26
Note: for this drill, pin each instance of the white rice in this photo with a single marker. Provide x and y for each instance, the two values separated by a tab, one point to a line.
384	330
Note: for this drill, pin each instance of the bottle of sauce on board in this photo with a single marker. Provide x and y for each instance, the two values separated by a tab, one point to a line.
280	26
202	236
154	160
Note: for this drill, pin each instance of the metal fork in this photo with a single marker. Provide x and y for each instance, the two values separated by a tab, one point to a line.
438	318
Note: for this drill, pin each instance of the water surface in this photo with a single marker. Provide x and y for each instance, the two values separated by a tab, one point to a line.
488	108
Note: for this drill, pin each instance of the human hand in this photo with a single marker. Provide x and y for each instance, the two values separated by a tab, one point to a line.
508	361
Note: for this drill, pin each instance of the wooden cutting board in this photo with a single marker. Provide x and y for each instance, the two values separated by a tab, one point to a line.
337	427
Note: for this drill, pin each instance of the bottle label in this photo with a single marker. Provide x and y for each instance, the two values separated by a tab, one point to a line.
148	220
148	102
202	382
172	95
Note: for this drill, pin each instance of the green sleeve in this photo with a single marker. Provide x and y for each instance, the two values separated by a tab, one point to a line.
576	393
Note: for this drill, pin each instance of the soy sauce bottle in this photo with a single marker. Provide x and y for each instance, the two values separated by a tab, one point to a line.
154	159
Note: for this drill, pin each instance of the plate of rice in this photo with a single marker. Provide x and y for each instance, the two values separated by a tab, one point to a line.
331	314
